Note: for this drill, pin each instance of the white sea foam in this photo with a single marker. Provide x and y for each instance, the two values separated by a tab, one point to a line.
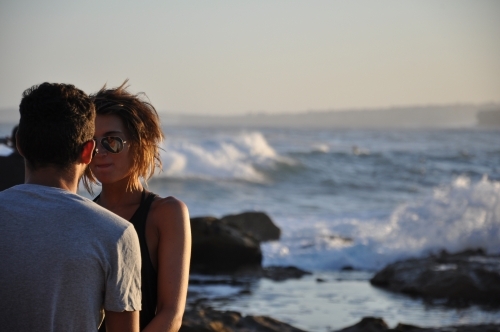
5	150
455	217
460	216
240	156
320	147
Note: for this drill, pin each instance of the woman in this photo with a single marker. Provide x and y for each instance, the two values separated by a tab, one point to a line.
127	138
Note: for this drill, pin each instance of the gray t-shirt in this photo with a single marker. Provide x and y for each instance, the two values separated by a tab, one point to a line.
63	258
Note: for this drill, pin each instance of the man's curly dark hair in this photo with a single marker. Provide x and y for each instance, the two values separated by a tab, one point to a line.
56	121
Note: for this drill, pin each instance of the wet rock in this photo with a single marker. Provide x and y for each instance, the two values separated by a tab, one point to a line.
337	239
276	273
279	273
230	243
462	279
375	324
256	224
206	319
219	247
347	268
242	276
368	324
210	320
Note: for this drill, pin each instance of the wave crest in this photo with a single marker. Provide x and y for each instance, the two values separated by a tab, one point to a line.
456	217
242	157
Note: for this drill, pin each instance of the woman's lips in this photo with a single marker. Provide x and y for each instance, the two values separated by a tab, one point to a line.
103	166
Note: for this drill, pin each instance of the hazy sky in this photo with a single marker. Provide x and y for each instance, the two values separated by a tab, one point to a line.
234	57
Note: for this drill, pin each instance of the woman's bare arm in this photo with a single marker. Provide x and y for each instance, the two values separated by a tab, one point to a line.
170	218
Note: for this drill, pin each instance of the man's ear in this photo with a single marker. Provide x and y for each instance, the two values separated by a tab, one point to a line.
17	144
87	152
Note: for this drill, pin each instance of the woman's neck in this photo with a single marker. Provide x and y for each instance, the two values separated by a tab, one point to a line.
116	194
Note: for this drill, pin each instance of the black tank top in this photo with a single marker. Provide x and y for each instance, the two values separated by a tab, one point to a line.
149	275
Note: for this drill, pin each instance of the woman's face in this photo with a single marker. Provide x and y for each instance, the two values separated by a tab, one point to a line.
110	167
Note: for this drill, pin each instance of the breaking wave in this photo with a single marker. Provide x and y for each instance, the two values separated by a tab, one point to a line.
245	156
458	216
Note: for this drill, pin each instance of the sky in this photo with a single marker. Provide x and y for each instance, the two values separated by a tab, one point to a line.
239	57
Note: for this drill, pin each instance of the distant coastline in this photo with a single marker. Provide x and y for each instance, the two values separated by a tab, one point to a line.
447	116
489	118
431	116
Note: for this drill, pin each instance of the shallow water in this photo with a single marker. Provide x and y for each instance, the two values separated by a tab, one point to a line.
341	300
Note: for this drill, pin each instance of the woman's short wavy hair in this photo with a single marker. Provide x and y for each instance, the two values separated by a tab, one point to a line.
143	125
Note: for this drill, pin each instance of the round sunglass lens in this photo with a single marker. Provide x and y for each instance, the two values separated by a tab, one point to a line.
112	144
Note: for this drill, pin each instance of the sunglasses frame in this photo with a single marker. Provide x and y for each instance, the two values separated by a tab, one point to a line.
106	145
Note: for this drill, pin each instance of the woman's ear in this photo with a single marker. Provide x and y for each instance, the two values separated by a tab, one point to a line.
87	152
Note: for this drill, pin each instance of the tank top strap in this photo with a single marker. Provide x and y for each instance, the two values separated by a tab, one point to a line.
141	214
149	275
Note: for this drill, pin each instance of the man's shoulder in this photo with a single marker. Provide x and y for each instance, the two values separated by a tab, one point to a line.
98	215
102	215
49	202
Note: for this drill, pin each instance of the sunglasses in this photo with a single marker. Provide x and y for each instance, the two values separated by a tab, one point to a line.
112	144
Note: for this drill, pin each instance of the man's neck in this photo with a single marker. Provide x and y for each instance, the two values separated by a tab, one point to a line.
51	176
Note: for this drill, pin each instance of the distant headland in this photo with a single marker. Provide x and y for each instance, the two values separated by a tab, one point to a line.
441	116
428	116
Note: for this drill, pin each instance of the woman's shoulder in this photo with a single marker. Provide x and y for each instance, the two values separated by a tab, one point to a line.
168	204
169	210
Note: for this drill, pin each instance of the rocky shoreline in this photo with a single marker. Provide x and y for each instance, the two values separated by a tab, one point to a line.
210	320
231	246
460	280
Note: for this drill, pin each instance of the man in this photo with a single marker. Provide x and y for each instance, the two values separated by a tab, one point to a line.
62	257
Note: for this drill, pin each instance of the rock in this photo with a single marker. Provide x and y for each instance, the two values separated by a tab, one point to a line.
347	268
461	279
276	273
210	320
280	273
256	224
230	243
267	324
374	324
206	319
241	276
368	324
218	247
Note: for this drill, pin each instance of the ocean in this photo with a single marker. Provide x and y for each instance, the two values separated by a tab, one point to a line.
396	194
356	198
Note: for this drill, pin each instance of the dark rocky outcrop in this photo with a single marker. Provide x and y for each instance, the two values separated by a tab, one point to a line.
374	324
462	279
210	320
230	243
368	324
217	247
256	224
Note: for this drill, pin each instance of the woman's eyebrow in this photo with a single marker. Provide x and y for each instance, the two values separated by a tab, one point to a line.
113	132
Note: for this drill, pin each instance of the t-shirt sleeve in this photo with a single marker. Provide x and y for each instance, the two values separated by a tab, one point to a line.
123	280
